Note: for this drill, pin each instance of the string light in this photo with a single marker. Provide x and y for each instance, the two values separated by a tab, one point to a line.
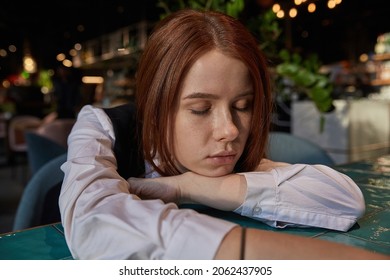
292	6
311	8
293	12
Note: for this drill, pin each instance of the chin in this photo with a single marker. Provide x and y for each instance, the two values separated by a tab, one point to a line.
217	172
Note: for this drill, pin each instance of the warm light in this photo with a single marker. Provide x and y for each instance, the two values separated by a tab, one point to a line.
67	63
311	8
45	90
331	4
92	80
280	14
276	8
29	64
3	53
73	52
363	57
298	2
77	47
293	13
6	84
60	57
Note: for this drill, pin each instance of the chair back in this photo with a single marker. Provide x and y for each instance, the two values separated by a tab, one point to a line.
57	130
31	209
285	147
16	131
40	150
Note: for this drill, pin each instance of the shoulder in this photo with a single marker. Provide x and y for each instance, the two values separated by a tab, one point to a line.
123	118
91	119
124	110
92	114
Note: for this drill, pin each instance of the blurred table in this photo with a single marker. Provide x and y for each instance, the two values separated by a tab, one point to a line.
372	231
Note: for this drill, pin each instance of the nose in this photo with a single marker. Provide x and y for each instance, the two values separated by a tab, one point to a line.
225	128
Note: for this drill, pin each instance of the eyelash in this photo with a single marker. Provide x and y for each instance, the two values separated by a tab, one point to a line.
246	108
200	113
204	112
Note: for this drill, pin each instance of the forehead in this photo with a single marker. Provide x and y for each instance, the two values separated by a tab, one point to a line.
215	71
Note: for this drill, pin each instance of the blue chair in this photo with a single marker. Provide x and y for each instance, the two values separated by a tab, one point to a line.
39	202
40	150
285	147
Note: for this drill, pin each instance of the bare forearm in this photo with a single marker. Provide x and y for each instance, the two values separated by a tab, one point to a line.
224	193
260	244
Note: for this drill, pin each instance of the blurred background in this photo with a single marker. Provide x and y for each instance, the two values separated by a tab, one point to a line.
104	38
330	61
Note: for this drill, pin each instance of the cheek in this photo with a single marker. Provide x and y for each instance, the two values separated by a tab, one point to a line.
187	133
244	124
184	134
188	143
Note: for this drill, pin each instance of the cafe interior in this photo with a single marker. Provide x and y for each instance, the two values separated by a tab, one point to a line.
91	50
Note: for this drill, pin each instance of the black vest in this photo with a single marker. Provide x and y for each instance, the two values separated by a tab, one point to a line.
127	148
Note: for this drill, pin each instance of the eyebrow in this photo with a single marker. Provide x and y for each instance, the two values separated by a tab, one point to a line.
203	95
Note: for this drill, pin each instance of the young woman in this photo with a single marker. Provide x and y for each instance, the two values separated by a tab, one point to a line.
197	134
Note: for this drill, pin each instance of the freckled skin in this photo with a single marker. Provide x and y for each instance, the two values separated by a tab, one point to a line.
213	115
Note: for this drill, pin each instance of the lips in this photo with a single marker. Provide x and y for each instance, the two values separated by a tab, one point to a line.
223	158
224	154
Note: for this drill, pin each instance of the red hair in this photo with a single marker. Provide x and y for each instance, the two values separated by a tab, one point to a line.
175	44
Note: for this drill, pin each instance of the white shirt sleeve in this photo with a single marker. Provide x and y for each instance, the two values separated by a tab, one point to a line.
102	220
303	195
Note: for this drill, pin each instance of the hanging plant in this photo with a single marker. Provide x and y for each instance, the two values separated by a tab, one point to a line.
302	77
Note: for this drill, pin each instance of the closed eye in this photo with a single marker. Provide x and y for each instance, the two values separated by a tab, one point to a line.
200	112
243	105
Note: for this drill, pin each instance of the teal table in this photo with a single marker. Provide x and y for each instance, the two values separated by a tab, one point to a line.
372	231
38	243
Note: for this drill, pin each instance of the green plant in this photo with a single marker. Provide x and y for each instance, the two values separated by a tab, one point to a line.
306	78
7	107
230	7
266	29
298	76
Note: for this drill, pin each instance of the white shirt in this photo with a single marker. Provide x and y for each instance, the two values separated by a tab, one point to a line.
103	220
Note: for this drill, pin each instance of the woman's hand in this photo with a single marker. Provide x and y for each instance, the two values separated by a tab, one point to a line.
165	188
224	193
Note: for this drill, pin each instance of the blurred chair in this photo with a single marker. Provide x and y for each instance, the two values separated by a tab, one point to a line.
47	141
17	145
289	148
4	121
16	131
39	202
49	118
41	149
3	125
57	130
